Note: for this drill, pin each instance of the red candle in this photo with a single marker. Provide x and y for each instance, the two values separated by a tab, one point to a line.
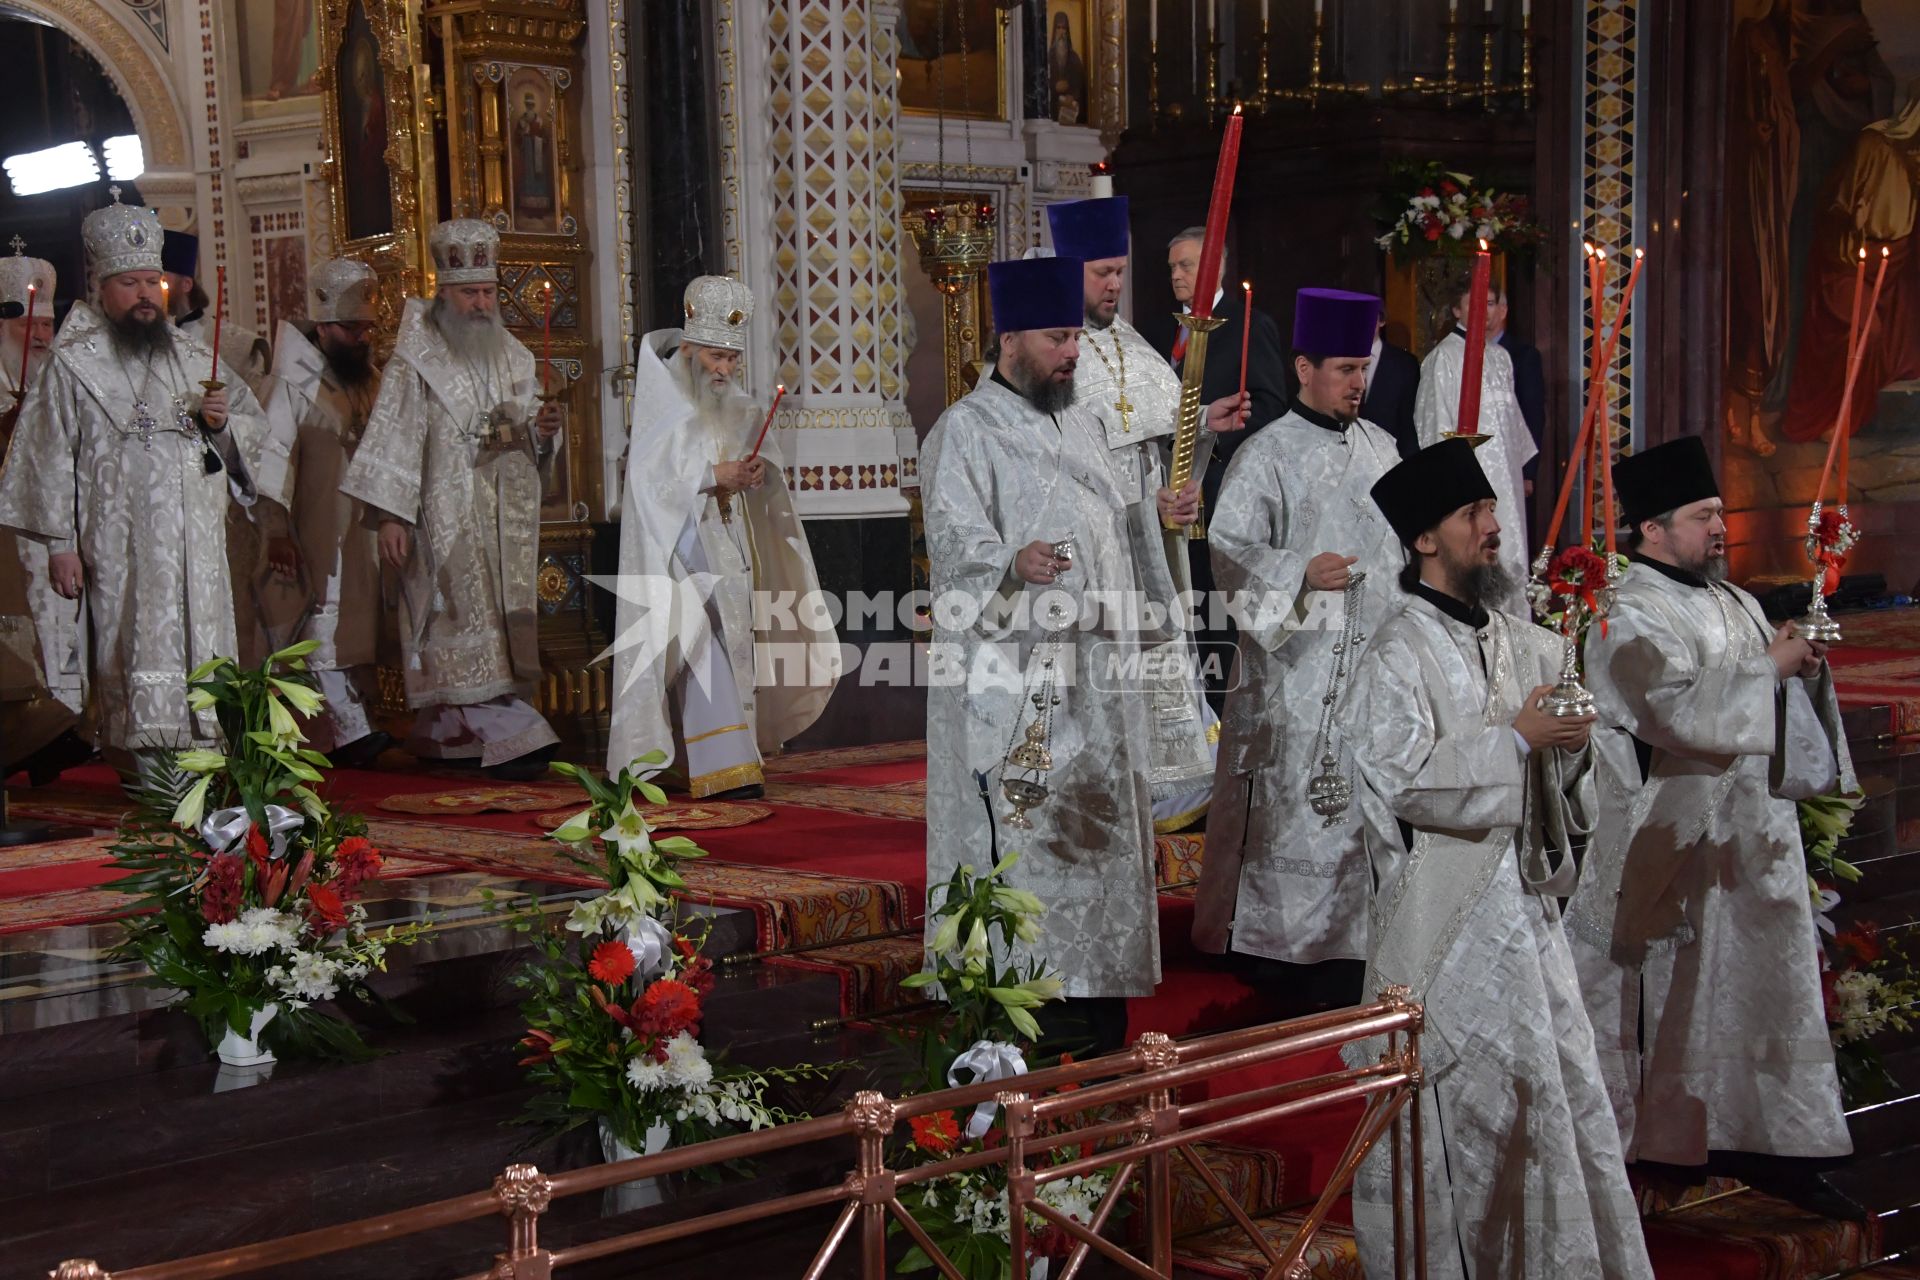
1595	387
1246	329
1597	291
546	340
1468	422
219	313
1856	354
778	392
1214	247
27	345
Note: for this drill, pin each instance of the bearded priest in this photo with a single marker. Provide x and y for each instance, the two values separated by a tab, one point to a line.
1134	395
322	554
1298	534
1470	793
452	464
124	466
705	528
1692	927
1037	732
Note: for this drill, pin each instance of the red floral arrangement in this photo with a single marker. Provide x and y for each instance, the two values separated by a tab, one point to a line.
1830	536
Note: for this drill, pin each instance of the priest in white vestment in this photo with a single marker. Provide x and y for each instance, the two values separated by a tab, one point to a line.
1471	793
1026	524
124	466
42	657
1134	395
323	581
1509	447
452	464
706	529
1298	537
1693	928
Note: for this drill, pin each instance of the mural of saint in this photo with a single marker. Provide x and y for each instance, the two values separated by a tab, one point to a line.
533	162
363	131
1066	72
292	31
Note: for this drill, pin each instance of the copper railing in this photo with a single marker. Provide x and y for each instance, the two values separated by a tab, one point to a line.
1125	1105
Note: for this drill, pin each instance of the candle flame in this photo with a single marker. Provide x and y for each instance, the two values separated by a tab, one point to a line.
1483	244
1247	285
1236	108
1863	253
1639	253
1883	251
1588	246
1601	253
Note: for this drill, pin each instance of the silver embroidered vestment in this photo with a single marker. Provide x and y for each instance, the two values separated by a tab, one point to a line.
109	463
1282	882
1693	920
998	475
1522	1162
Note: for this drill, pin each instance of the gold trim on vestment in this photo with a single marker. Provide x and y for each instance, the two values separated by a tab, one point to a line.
740	775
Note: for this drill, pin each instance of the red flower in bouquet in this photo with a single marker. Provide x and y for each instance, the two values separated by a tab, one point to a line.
612	963
1826	533
936	1133
325	909
257	847
666	1009
358	862
1578	573
541	1042
1859	948
225	887
696	970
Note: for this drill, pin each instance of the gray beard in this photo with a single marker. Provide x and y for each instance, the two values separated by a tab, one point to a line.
134	340
473	337
710	403
1712	568
1485	582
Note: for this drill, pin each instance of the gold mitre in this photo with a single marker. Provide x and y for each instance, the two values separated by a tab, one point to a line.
20	273
343	292
465	251
121	238
718	309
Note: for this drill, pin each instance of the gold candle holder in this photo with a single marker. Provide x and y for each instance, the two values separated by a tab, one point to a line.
1489	27
1213	79
1526	59
1153	84
1450	84
1266	48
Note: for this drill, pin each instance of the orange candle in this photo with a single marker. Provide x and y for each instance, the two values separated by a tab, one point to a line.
1594	391
1246	328
219	314
1467	423
778	392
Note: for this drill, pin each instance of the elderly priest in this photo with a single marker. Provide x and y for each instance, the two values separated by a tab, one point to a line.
1469	791
1038	739
1692	927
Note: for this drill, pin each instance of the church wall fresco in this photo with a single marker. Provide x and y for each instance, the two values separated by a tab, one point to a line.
1823	159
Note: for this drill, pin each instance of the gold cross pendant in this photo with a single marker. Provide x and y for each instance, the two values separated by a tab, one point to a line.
1125	406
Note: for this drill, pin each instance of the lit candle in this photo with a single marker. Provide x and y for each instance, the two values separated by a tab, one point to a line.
1213	248
1842	442
219	314
1596	386
1472	366
1246	328
1102	182
27	345
778	392
166	297
546	340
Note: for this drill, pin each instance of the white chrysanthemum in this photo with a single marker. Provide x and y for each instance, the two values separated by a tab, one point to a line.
257	931
311	976
1862	1011
646	1075
687	1064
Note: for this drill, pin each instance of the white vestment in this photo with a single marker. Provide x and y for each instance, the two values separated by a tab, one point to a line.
245	354
314	424
746	681
451	450
43	637
1436	409
1692	926
1469	836
1185	729
1277	879
998	475
109	462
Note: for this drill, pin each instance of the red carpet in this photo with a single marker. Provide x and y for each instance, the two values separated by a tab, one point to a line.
1879	663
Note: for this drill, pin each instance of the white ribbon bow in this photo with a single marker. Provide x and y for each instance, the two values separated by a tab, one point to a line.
652	945
225	828
988	1060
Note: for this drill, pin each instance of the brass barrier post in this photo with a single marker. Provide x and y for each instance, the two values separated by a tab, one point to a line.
1157	1053
872	1116
1017	1108
524	1194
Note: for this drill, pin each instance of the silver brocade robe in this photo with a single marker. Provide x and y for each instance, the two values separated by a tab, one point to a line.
43	647
314	424
1277	879
1436	409
997	475
1693	918
1522	1161
1183	725
469	622
147	519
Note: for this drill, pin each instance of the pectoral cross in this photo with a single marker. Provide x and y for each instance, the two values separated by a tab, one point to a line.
143	423
18	246
1125	406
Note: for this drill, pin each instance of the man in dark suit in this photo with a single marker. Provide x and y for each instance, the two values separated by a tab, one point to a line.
1266	387
1393	380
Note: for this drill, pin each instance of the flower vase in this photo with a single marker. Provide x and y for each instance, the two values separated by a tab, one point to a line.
641	1193
236	1050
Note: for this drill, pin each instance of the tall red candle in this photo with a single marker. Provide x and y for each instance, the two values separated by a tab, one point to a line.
1595	385
1246	329
1468	422
1214	247
1856	353
778	392
219	314
546	340
27	345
